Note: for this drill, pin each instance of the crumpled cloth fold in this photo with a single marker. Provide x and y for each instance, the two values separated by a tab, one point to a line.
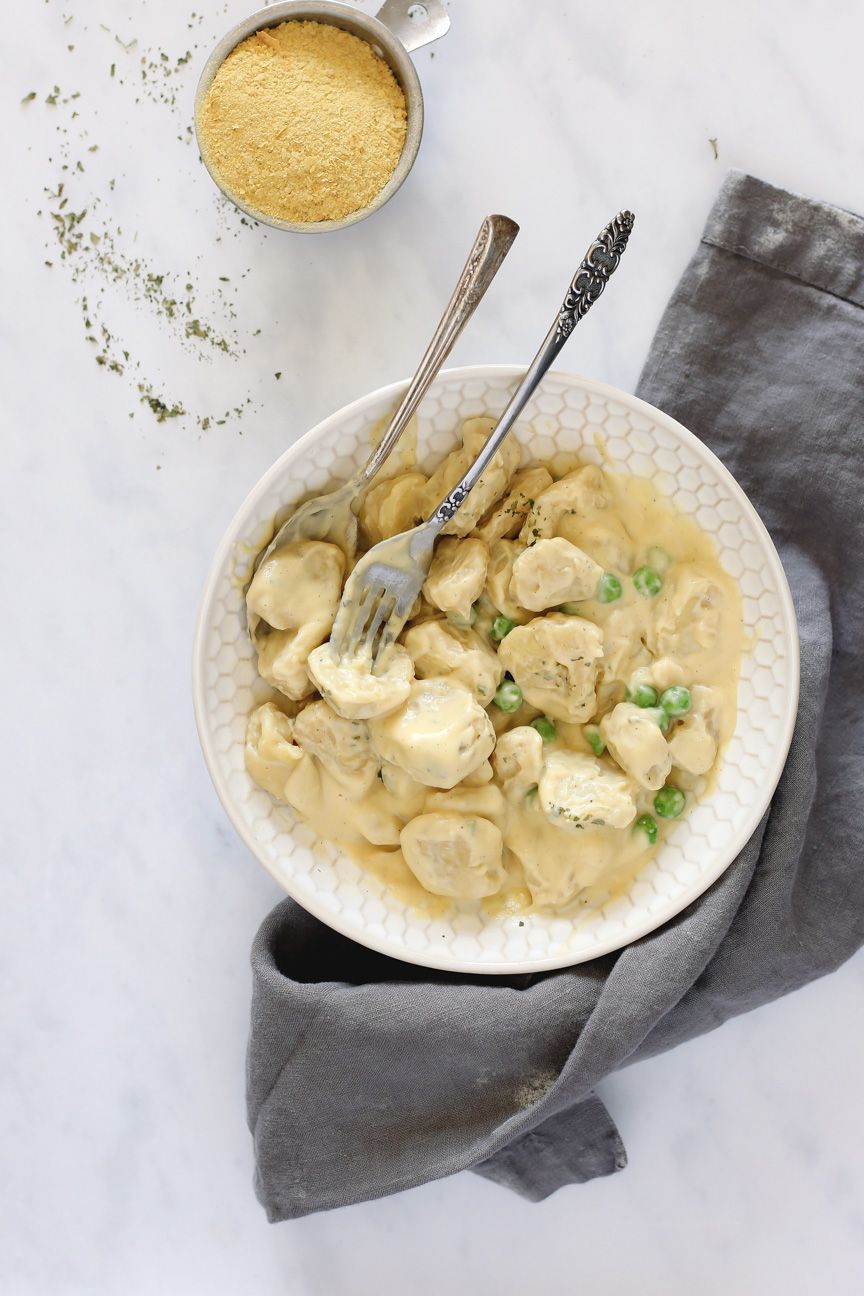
367	1075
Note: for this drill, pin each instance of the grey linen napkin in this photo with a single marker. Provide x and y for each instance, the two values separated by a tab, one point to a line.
367	1075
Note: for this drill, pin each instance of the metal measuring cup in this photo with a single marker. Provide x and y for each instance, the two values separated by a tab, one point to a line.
400	26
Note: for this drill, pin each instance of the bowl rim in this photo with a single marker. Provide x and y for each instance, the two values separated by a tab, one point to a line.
365	27
385	945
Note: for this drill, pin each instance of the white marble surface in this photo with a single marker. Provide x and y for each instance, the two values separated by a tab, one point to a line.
129	905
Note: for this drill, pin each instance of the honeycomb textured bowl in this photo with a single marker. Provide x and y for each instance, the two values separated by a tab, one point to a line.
563	417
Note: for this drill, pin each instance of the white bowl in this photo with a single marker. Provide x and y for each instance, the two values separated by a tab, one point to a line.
564	416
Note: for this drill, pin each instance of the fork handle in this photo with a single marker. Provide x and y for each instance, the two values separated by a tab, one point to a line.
600	262
492	244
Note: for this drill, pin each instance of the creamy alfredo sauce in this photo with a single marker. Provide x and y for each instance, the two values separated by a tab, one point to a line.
585	604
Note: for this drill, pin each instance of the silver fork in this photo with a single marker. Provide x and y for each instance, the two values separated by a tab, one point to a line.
381	589
331	517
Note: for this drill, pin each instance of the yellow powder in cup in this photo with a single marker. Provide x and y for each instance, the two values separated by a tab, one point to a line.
304	122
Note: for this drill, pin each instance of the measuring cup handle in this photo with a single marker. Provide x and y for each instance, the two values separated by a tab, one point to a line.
415	22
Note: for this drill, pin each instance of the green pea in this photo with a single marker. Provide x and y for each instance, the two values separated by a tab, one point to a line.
508	696
648	824
675	701
545	728
531	796
648	582
595	739
669	802
642	695
608	588
459	621
501	627
659	559
659	716
570	609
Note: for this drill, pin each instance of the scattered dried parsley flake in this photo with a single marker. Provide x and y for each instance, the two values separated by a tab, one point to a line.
304	122
96	257
159	407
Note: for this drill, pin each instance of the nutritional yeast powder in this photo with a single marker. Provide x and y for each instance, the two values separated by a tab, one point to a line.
304	122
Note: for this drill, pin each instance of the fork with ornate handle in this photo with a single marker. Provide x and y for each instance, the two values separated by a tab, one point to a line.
381	589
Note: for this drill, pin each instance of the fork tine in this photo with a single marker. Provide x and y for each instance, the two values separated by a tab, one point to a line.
346	619
392	628
385	609
370	597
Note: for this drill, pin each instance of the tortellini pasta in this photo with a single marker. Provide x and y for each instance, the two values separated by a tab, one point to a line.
518	761
578	493
552	572
577	792
506	518
688	615
271	753
499	579
692	748
393	506
491	486
460	654
351	688
457	575
440	734
296	592
283	656
343	747
636	742
454	854
298	583
693	745
554	659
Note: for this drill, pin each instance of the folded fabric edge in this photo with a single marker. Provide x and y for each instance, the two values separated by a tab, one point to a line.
571	1147
816	242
